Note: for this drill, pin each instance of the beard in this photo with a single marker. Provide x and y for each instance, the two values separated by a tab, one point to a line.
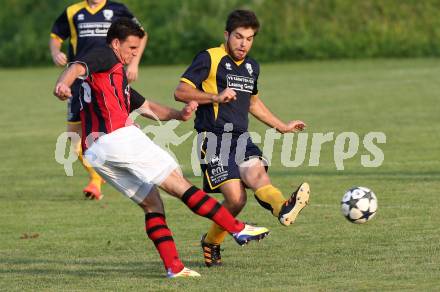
231	53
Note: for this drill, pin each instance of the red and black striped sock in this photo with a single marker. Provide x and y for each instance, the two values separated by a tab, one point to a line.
202	204
158	231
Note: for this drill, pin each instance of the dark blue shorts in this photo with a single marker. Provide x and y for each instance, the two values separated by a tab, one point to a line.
73	103
221	155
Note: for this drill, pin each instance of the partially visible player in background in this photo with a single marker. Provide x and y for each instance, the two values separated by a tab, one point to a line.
85	24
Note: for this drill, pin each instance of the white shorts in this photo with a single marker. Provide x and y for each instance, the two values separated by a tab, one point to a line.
128	160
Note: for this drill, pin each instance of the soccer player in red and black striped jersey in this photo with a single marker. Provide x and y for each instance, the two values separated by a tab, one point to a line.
123	155
85	24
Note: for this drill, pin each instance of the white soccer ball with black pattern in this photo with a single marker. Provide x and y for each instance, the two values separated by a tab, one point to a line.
359	205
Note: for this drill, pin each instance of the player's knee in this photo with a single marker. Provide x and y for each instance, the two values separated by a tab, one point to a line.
76	146
152	202
235	204
251	178
241	202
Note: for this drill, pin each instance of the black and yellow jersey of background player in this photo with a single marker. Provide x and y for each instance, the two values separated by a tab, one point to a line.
86	27
214	70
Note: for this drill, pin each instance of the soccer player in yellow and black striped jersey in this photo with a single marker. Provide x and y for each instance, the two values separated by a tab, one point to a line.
223	80
85	24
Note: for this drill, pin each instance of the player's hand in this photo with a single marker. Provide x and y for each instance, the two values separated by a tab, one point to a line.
187	111
132	73
225	96
59	59
62	91
295	126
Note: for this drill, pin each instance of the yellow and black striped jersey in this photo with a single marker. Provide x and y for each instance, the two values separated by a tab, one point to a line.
214	70
87	27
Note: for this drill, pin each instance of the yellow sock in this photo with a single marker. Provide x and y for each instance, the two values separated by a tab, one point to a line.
94	176
270	198
215	235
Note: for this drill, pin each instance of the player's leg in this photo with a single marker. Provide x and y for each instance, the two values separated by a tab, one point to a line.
235	196
157	230
93	189
204	205
75	127
148	198
254	175
235	199
223	176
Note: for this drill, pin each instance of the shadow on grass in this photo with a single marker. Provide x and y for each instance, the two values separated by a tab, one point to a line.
88	268
82	268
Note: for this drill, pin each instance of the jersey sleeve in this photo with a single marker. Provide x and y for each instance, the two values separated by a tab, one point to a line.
98	60
198	71
257	74
136	100
60	28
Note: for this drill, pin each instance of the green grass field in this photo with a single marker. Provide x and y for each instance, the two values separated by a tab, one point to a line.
86	246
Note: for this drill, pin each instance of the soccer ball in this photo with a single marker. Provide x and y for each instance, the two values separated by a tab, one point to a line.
359	205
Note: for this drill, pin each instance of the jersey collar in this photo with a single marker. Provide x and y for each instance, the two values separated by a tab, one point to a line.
238	63
96	9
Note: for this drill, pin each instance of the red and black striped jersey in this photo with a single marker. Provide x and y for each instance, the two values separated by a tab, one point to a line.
106	97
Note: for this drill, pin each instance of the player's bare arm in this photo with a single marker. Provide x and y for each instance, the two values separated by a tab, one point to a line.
58	57
153	110
66	79
133	67
260	111
186	93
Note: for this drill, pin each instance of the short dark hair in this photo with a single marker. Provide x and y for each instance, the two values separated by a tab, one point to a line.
122	28
242	18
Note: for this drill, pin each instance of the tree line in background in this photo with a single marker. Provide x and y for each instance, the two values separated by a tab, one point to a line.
291	29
